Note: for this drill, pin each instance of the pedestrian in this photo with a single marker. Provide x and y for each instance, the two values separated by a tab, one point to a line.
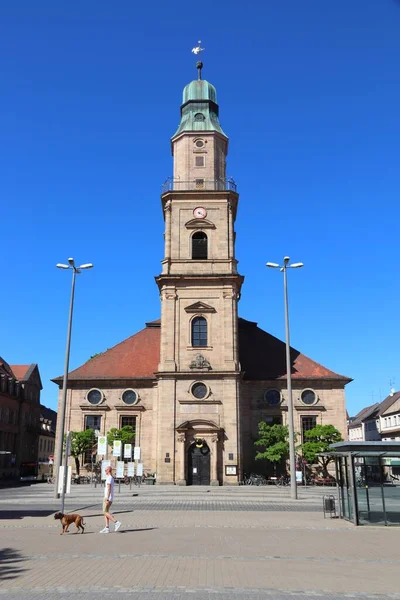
108	500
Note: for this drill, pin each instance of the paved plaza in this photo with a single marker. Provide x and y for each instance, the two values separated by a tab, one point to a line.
198	543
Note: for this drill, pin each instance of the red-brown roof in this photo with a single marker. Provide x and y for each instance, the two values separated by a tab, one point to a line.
20	371
262	356
137	357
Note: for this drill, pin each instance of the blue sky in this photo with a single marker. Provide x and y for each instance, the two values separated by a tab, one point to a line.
309	94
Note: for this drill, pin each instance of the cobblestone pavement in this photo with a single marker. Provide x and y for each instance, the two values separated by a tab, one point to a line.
201	553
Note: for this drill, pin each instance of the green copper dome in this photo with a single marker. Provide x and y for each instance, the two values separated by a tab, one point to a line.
199	111
199	89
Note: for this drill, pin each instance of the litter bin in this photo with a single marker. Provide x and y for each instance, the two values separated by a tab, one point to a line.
329	505
150	480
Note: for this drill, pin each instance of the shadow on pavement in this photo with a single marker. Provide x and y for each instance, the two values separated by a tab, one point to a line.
144	529
114	512
9	569
20	514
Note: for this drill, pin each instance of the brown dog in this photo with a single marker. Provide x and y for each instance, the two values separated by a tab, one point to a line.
66	521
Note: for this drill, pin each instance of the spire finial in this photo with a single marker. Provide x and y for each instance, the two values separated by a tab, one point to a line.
196	50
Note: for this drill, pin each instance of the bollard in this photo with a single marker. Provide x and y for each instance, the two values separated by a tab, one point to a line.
329	506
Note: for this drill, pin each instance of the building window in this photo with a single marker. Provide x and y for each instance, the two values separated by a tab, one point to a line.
199	184
273	419
199	161
308	397
307	423
199	246
199	332
272	397
93	422
129	421
94	396
199	390
130	397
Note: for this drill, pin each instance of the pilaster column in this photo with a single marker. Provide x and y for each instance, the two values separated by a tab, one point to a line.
181	459
167	210
214	460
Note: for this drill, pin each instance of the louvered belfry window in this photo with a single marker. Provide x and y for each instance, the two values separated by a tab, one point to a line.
199	246
199	332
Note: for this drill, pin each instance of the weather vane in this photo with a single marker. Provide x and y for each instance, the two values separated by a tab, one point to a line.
197	51
198	48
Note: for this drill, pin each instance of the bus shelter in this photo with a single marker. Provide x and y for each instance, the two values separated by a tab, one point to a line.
368	480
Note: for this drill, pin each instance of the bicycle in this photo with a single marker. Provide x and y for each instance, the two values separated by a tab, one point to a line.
283	481
254	479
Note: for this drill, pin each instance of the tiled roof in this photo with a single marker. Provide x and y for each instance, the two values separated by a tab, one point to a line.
137	357
20	371
262	356
5	368
364	414
387	402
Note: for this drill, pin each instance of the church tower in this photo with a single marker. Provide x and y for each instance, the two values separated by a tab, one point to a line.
197	425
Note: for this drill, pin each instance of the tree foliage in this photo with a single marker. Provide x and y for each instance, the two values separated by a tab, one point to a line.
80	442
273	441
318	440
125	434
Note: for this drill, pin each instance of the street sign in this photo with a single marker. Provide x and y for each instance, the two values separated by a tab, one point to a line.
128	451
131	469
139	469
120	469
136	453
117	448
61	480
102	445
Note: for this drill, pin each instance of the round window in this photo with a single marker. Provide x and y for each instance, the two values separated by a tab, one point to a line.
199	143
94	396
129	397
308	397
273	397
199	117
199	390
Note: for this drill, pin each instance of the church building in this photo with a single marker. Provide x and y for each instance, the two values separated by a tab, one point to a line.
195	384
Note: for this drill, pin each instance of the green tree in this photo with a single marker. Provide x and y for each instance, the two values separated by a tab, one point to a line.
80	442
273	441
318	440
125	434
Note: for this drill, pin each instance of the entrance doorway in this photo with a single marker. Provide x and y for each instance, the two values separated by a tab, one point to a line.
199	464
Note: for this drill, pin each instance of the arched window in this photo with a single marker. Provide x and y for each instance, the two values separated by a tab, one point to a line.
199	332
199	246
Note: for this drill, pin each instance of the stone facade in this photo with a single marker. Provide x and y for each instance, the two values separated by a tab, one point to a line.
195	384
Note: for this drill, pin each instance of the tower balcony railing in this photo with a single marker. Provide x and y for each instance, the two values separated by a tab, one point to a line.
199	184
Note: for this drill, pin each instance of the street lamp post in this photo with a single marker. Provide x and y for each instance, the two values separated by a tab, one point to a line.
61	417
292	450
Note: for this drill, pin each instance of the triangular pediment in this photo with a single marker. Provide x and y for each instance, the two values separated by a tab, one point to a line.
199	224
199	307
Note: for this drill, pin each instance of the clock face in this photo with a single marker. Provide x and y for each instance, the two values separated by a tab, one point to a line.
200	212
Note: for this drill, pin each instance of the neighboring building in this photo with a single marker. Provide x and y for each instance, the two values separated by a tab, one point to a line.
20	387
378	422
389	418
48	422
195	384
364	427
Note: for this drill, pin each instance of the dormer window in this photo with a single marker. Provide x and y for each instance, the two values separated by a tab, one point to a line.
199	117
199	246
